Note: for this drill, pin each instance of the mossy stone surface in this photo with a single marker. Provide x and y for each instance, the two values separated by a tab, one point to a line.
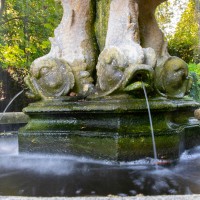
102	15
108	128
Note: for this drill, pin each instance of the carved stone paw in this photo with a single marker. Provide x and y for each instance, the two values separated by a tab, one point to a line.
50	78
110	69
116	70
83	79
172	78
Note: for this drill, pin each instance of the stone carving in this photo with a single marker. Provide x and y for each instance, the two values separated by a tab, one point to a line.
134	52
171	78
75	44
50	78
197	114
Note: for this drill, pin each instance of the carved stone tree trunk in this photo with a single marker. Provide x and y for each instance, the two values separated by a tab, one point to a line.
171	73
123	57
165	74
70	64
150	33
75	41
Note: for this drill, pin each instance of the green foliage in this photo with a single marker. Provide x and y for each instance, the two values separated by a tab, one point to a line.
25	27
163	16
194	68
185	42
168	13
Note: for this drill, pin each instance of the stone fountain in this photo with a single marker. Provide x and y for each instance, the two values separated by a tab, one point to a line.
90	99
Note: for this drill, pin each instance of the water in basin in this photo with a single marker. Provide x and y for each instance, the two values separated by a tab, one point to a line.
40	174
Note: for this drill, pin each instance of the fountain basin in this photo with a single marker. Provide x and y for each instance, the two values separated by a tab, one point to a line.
76	159
55	175
110	128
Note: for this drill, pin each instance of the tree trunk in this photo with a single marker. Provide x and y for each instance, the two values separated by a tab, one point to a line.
2	6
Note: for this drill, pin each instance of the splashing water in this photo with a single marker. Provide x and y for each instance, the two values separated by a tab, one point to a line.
10	104
62	175
151	124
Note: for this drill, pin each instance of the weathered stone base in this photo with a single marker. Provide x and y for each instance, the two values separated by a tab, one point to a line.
110	129
12	121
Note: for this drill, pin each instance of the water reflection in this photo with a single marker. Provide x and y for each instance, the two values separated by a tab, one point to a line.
56	175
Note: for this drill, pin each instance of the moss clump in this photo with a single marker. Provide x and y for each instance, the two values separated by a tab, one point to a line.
101	25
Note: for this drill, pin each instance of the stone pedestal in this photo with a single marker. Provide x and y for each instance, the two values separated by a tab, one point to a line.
108	128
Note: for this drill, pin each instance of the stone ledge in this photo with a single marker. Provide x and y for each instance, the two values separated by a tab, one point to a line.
13	118
169	197
109	105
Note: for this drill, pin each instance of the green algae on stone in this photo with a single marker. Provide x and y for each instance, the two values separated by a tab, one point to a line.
102	15
90	45
137	147
136	86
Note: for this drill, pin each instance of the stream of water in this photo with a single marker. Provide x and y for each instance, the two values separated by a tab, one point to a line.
151	124
3	113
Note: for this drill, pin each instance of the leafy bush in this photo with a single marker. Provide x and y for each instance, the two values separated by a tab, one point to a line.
24	30
185	42
194	68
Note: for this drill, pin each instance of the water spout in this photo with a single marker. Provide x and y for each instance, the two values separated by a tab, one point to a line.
151	124
10	103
